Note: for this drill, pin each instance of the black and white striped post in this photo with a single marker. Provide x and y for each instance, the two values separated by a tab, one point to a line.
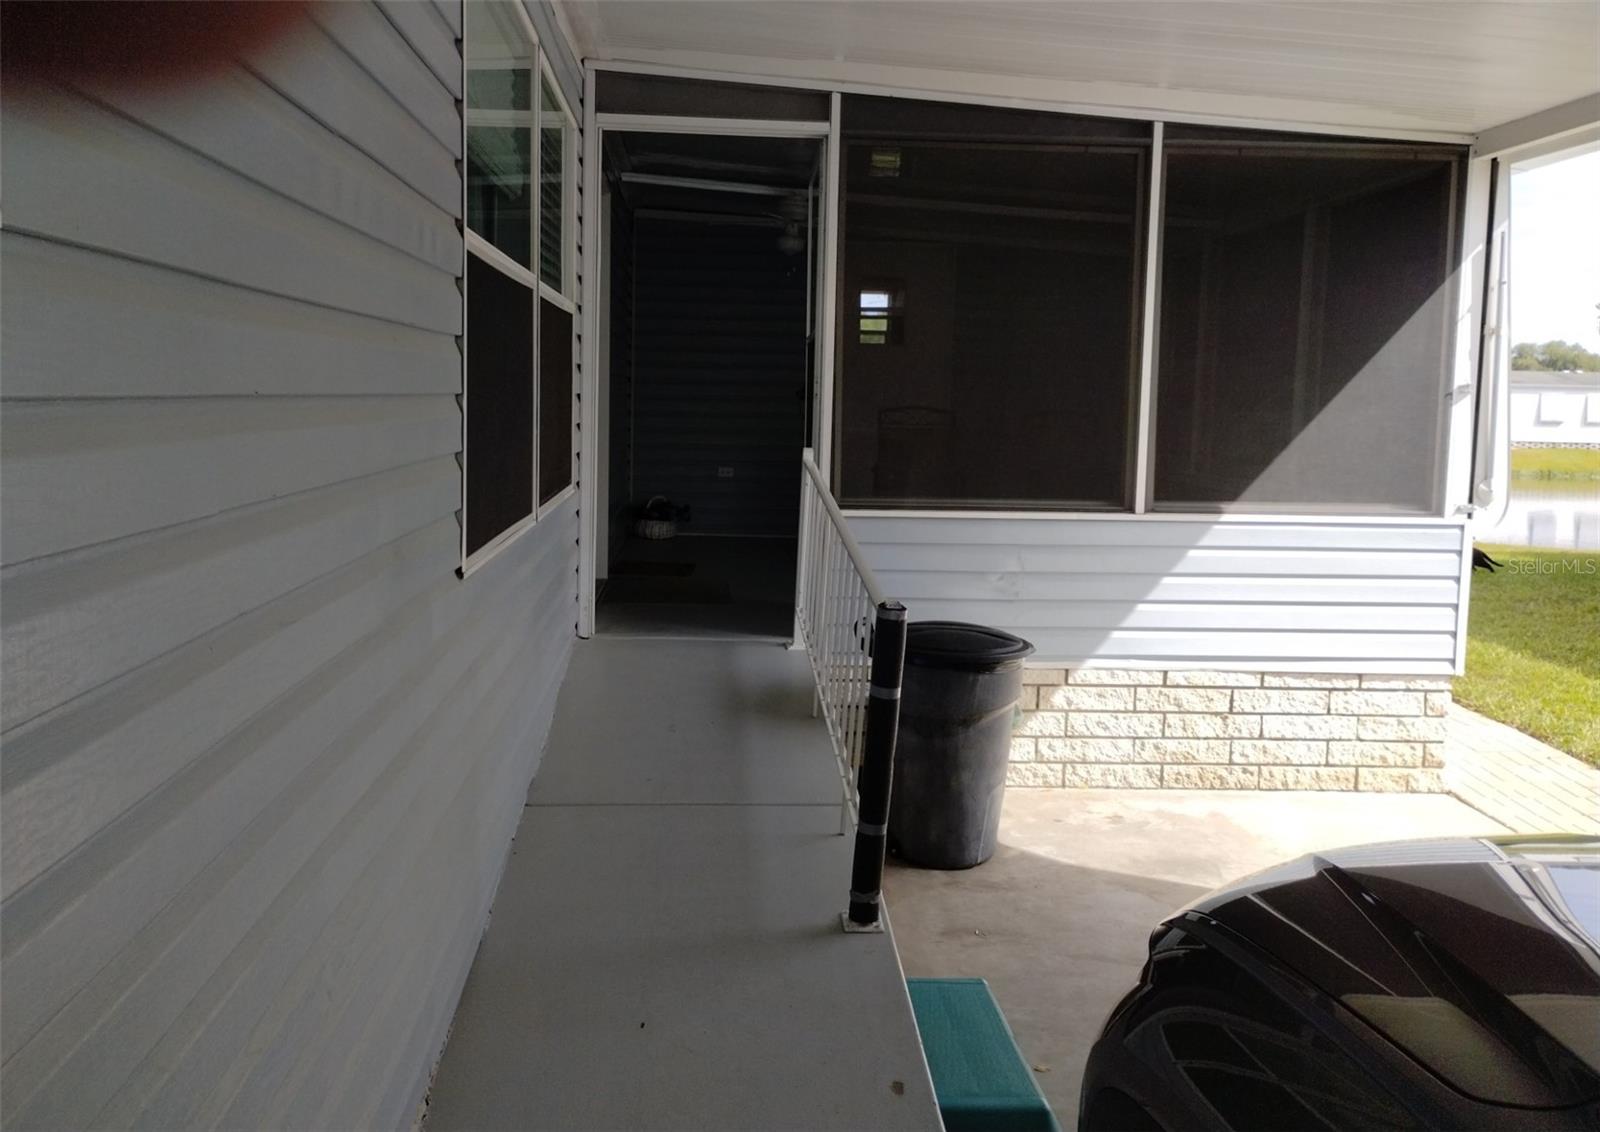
877	768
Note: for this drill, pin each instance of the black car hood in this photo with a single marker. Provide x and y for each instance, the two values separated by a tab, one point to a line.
1479	958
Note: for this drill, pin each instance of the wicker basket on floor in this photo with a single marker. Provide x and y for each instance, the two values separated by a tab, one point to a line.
657	529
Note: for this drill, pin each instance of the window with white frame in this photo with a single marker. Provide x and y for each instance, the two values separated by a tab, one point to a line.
518	404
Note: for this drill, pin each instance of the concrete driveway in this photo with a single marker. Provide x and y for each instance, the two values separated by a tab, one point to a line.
1058	919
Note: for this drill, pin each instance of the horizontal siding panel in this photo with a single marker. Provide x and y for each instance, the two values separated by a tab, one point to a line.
369	38
328	976
1336	596
312	72
79	323
265	748
74	623
241	123
1088	531
141	196
84	472
71	920
354	1016
304	966
1351	648
290	867
1175	615
957	585
1173	560
431	36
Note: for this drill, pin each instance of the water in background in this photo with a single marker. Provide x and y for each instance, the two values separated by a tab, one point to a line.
1551	514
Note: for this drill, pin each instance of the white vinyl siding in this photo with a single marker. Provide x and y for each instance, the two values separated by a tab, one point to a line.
264	750
1341	596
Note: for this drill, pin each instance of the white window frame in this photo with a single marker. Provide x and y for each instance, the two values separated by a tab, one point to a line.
797	78
567	296
475	244
568	290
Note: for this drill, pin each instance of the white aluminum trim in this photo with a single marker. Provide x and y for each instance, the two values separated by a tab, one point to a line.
556	298
1332	520
556	500
1234	664
494	546
1144	437
1167	111
1461	397
1463	595
707	184
589	315
462	340
738	127
828	300
498	260
1558	127
525	20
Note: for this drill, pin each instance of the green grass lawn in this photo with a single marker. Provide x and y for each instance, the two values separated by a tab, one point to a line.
1533	646
1556	463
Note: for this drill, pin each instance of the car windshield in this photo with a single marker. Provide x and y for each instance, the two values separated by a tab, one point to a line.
1579	887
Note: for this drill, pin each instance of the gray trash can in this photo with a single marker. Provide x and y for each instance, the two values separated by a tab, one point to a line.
958	700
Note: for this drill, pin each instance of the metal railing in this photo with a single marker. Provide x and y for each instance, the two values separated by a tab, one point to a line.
854	637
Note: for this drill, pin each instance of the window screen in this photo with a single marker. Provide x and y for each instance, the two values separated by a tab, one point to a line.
555	400
499	453
1002	251
1303	325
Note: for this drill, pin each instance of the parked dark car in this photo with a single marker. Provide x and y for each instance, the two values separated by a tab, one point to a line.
1415	985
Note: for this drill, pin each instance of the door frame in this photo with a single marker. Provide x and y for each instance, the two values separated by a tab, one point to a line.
594	445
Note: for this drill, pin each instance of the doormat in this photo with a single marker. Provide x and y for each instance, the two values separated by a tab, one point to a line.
652	569
667	591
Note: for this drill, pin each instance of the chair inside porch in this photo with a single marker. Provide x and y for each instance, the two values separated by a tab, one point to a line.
665	948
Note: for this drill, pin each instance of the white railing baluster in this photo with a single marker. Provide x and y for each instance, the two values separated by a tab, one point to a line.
837	603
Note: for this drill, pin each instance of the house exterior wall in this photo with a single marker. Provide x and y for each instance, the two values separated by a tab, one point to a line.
264	749
1556	415
1219	730
1183	653
1334	596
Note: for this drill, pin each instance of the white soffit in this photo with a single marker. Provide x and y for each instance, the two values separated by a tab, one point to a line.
1439	66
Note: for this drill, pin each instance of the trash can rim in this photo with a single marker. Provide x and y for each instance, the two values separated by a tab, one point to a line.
963	646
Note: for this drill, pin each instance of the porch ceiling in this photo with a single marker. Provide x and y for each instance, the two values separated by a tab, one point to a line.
1430	66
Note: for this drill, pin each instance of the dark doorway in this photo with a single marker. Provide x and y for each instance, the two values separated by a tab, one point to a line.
710	266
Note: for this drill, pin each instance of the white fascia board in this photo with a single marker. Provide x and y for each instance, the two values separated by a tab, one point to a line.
1113	100
1567	126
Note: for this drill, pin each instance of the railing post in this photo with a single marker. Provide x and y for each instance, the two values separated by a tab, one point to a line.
877	768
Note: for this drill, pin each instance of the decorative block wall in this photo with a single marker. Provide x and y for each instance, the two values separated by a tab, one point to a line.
1230	730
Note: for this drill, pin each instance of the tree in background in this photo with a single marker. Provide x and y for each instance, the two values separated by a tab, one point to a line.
1554	356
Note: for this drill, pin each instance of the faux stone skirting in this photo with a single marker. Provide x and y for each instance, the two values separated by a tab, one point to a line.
1230	730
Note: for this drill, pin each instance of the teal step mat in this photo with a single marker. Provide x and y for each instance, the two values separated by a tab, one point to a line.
979	1075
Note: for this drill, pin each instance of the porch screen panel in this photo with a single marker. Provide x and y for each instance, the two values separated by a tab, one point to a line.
499	450
988	317
555	400
1304	330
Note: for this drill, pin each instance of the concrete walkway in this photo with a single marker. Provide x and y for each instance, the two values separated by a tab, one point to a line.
665	950
1526	785
1059	918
